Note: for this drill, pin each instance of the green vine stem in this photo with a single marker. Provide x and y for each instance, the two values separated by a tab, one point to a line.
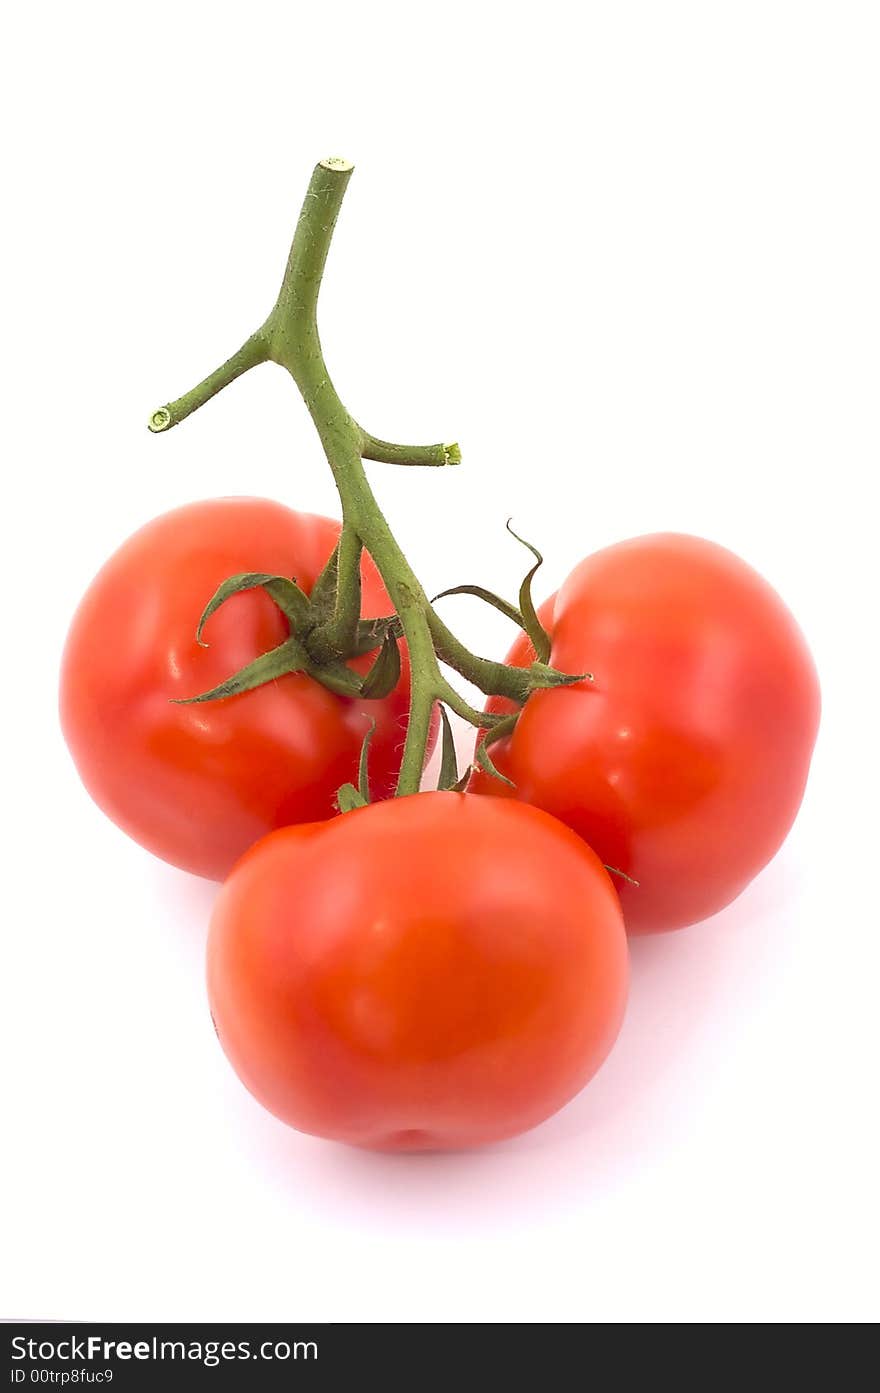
289	337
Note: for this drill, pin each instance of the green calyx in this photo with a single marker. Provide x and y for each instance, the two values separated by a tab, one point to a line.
348	798
326	628
305	614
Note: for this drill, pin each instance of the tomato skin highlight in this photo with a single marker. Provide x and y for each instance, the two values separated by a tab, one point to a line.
684	763
197	785
430	973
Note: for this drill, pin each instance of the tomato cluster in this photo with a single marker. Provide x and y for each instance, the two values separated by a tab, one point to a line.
446	969
252	693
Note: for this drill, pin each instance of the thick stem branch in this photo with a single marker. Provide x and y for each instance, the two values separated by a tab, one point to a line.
253	351
434	456
494	679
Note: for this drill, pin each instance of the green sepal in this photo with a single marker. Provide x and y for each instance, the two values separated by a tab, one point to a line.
287	657
497	724
613	870
542	676
530	621
448	762
292	601
364	764
384	674
462	785
485	762
371	634
348	798
323	596
489	597
337	677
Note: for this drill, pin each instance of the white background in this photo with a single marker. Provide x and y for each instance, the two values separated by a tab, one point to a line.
628	255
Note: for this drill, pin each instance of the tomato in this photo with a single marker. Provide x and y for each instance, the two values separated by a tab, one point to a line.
197	785
428	973
684	763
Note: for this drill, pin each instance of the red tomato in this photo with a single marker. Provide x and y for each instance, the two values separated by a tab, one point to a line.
197	785
684	763
428	973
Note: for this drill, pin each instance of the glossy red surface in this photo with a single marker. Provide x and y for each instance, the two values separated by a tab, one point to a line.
427	973
684	762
